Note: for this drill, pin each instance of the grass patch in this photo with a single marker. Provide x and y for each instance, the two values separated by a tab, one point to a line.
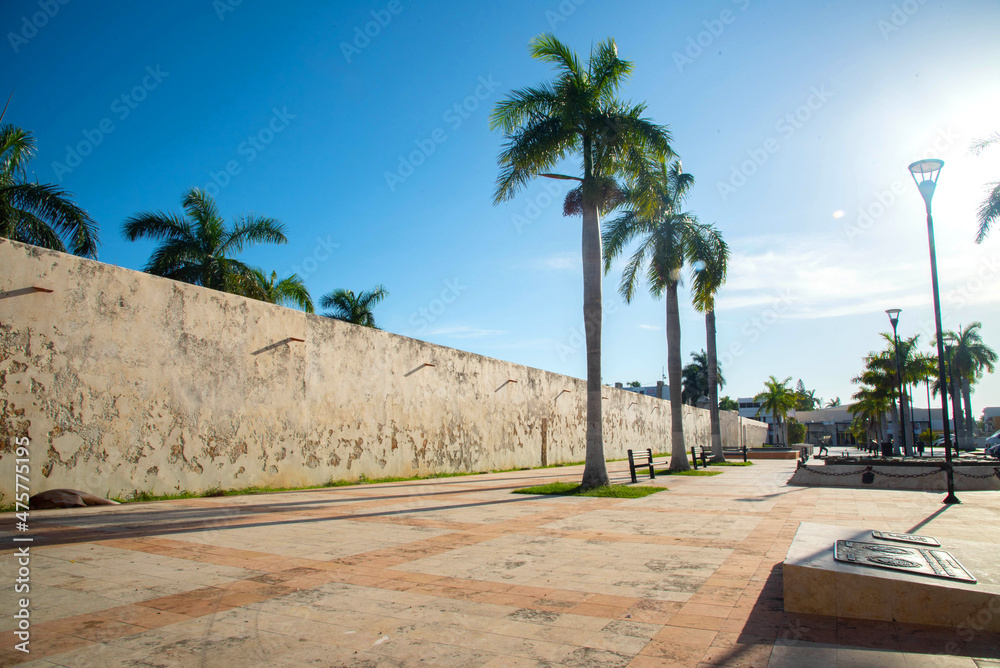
608	491
145	497
691	472
557	466
732	464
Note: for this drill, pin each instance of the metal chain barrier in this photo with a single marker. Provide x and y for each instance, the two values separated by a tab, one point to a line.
869	469
835	475
996	472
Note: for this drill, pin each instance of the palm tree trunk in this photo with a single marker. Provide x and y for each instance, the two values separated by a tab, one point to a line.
678	455
713	388
970	428
896	431
595	471
905	427
956	407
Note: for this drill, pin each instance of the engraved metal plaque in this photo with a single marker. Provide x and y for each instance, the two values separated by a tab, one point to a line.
906	538
917	560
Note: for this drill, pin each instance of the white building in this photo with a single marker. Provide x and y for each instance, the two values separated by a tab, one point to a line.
748	408
661	390
991	416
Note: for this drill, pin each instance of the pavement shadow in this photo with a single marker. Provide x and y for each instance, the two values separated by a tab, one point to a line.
769	624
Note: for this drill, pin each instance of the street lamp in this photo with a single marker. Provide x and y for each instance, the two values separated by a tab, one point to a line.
893	314
925	175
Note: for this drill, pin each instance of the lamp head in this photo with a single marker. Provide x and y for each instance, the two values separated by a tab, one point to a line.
925	175
893	314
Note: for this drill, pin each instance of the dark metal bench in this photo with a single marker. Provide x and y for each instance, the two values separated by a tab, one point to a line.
706	452
643	458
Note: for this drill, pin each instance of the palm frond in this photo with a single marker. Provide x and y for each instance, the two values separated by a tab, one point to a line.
251	229
53	205
529	151
156	226
522	106
29	229
980	145
17	146
548	49
607	71
200	206
988	212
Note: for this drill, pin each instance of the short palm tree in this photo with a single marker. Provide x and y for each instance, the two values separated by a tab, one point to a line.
871	402
833	403
199	248
291	290
711	265
579	114
670	238
695	379
971	358
776	400
989	210
354	309
37	213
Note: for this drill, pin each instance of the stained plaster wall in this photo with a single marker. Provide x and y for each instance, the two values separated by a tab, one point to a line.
127	382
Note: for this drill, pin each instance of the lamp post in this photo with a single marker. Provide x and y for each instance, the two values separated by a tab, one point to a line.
925	175
893	314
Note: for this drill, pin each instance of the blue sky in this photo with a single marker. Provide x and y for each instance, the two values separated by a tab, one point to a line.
797	120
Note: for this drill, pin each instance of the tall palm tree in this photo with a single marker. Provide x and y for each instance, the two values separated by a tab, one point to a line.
777	399
37	213
971	358
669	239
291	290
355	309
579	114
989	210
711	265
198	248
951	386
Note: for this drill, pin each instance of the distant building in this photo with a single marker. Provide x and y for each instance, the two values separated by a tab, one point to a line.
661	390
832	426
991	416
748	408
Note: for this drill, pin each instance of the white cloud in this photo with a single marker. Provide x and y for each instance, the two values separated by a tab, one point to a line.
555	262
650	327
823	277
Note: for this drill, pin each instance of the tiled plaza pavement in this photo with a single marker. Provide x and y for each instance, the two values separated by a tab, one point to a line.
460	572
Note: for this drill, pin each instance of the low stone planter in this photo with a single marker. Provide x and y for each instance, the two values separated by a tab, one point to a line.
773	453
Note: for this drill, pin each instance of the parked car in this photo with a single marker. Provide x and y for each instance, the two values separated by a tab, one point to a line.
968	446
993	439
993	451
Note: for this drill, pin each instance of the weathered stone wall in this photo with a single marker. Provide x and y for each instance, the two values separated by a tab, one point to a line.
125	381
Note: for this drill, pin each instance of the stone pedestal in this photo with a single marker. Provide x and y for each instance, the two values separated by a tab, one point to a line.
816	584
